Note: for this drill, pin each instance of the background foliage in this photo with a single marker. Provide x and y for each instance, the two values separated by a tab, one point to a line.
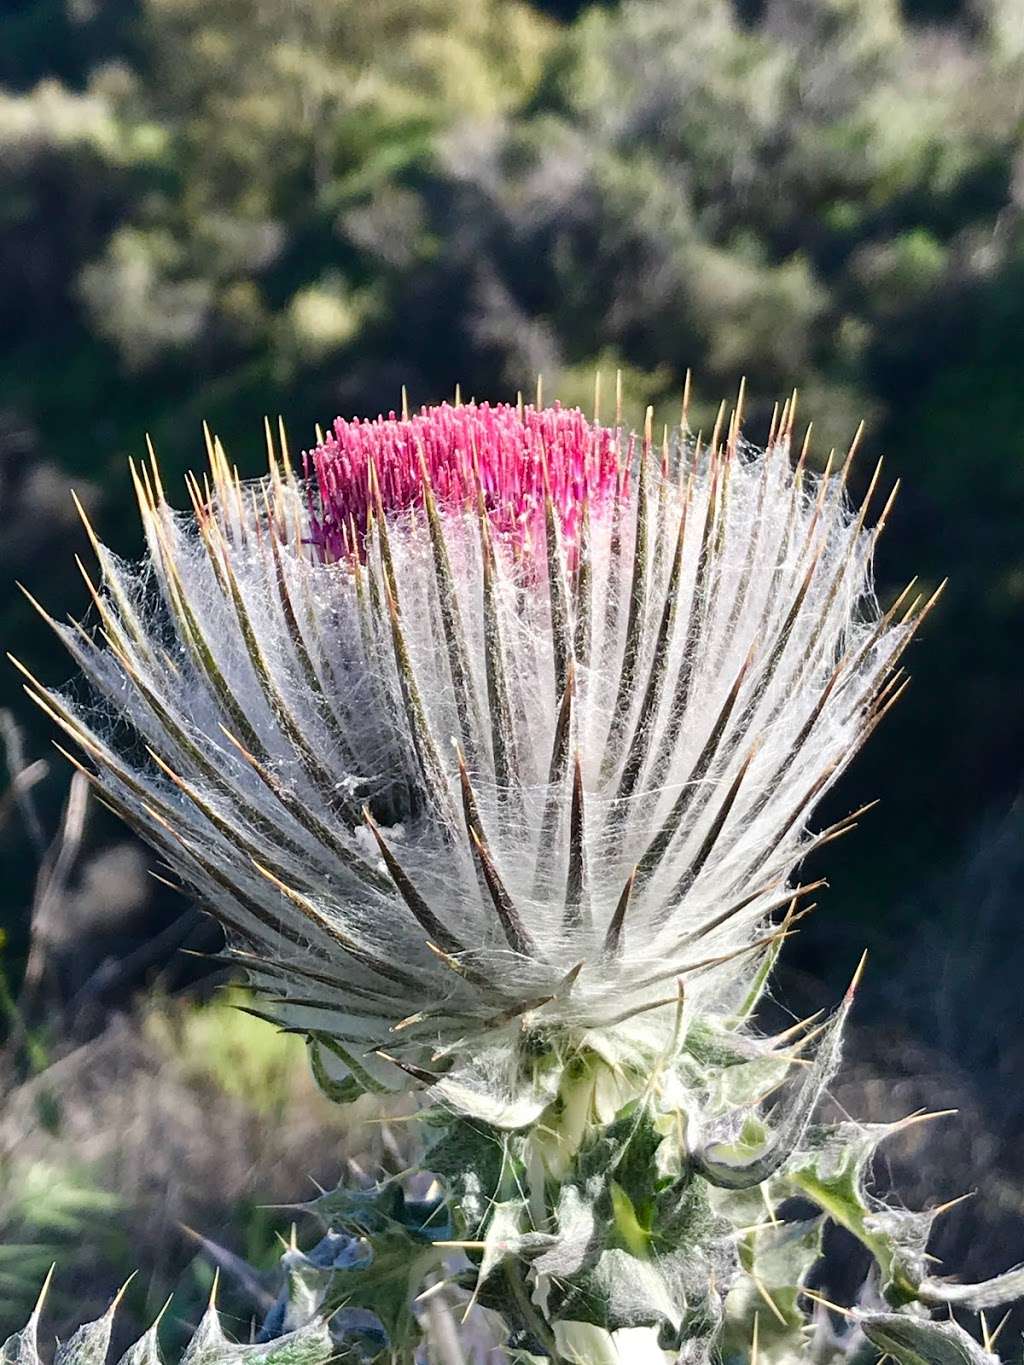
209	208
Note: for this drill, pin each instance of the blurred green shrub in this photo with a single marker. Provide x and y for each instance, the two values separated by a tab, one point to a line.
49	1213
212	206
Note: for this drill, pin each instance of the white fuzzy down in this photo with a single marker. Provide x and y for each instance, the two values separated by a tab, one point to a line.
785	602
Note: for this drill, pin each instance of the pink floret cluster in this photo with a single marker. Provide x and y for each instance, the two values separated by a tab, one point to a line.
509	453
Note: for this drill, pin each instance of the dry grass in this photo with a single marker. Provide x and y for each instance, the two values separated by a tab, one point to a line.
189	1117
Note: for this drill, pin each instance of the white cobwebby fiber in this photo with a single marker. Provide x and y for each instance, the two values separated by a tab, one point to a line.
727	660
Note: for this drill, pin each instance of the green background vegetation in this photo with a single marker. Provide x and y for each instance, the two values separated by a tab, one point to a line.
216	208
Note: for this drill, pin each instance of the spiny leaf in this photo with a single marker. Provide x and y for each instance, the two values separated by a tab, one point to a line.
988	1294
90	1343
917	1341
730	1166
310	1344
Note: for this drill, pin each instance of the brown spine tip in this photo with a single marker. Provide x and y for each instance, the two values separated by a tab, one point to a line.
858	975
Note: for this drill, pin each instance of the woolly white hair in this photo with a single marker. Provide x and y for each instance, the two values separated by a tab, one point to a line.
449	796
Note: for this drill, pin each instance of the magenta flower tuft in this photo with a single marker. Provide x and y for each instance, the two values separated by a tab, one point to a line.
506	453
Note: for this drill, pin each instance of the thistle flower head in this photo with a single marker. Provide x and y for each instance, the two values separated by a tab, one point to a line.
493	739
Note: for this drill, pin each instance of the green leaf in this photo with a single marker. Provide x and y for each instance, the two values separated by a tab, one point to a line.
371	1264
742	1086
620	1290
917	1341
505	1238
987	1294
308	1345
636	1248
712	1047
628	1227
669	1285
625	1151
311	1344
732	1167
469	1158
776	1261
831	1171
577	1235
